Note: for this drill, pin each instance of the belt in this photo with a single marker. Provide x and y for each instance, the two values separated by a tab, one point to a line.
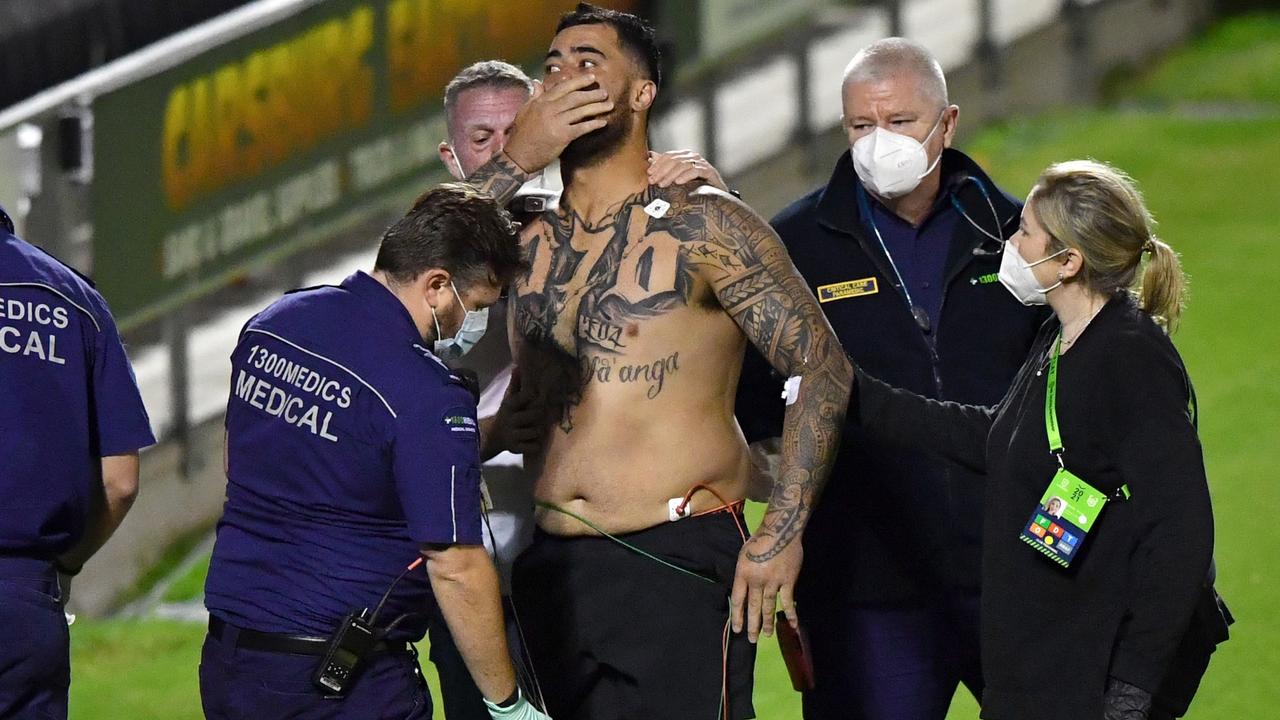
33	573
291	644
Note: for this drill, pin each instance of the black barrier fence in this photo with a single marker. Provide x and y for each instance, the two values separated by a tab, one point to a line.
43	43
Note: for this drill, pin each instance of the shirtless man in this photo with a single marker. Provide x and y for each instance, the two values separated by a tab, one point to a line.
480	106
629	332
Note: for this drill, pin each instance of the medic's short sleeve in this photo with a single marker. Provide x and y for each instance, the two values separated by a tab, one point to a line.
120	418
436	462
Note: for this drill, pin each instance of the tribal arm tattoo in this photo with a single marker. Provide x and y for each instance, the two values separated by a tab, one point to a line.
501	177
758	286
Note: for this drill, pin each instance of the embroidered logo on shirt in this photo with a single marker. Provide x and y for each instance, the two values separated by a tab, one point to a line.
985	279
848	289
458	420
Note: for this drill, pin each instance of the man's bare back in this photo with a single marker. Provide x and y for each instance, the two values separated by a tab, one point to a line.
620	328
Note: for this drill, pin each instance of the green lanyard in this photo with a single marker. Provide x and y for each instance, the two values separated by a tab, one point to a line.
1051	427
1051	403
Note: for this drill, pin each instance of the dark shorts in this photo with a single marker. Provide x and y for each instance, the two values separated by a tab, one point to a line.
615	635
240	684
35	664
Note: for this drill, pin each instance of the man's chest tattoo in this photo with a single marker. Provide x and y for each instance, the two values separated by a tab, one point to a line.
590	286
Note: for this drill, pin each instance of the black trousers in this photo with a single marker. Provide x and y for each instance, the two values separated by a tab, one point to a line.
616	635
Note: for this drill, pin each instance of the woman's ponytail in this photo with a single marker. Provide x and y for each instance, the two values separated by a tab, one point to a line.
1097	209
1163	288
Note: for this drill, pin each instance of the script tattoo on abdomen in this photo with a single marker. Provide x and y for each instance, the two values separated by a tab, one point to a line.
604	369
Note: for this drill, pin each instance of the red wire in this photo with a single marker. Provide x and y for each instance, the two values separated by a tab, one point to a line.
724	670
724	505
724	644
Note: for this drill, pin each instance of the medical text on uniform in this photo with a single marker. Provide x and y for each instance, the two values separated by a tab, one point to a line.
26	328
277	401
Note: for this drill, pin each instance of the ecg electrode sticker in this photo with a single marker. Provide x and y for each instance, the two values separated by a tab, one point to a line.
791	390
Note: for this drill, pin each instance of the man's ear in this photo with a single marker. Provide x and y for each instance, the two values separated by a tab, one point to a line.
433	283
950	120
643	93
449	157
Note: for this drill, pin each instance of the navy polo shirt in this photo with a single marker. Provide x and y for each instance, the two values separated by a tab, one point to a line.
350	446
920	253
69	399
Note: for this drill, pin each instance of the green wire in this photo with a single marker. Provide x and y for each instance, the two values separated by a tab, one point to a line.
623	543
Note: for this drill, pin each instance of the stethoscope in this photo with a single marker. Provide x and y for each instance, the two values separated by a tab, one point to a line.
918	313
986	195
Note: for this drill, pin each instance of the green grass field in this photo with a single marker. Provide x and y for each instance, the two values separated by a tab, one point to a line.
1203	140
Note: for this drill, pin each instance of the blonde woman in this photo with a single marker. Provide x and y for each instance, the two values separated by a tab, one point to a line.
1082	613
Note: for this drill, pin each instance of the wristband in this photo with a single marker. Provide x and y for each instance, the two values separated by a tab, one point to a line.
506	706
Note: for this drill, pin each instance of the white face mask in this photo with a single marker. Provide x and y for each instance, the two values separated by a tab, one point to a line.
1015	274
474	323
892	165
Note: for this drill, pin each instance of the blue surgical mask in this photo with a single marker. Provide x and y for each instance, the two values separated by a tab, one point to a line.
474	323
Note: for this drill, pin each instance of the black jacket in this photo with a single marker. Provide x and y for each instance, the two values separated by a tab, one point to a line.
1051	636
892	525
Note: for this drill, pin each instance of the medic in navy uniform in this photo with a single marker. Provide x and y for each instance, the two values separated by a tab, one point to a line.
70	431
352	450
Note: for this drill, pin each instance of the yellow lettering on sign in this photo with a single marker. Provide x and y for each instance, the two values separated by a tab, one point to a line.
278	102
176	151
848	289
256	115
422	48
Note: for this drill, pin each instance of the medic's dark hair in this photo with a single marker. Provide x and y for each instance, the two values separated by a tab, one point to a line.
457	228
6	223
634	34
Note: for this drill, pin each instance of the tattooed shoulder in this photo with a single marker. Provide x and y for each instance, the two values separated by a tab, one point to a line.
589	279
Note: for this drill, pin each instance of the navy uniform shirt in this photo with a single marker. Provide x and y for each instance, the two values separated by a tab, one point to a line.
350	446
69	399
918	253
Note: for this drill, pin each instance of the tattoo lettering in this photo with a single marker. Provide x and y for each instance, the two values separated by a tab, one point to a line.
600	333
588	282
606	369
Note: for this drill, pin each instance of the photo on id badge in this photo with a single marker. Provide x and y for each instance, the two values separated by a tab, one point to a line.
1063	518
